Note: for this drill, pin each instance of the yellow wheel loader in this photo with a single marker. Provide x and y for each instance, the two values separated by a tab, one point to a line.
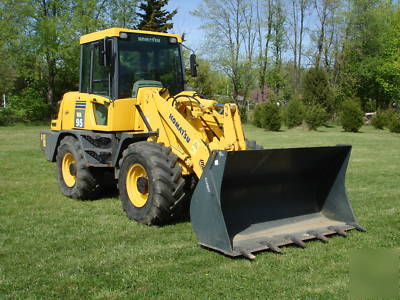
134	124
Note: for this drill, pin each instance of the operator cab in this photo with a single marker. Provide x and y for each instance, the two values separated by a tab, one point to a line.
116	62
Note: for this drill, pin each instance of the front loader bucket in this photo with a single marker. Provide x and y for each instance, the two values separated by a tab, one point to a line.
248	201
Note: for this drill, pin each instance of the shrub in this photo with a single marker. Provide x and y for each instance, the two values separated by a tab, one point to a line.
394	125
379	120
351	116
315	116
294	113
243	114
38	112
30	106
382	118
271	117
257	113
389	115
9	116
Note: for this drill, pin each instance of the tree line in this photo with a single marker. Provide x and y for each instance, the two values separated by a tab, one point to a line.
39	45
320	51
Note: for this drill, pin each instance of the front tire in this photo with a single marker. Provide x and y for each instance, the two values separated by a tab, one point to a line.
152	189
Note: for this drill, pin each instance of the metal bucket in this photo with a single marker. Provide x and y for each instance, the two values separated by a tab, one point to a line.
248	201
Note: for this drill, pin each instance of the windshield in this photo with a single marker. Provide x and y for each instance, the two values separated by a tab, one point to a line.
149	57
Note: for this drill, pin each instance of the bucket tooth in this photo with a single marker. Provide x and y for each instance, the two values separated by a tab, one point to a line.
319	236
357	226
246	253
338	230
274	248
296	241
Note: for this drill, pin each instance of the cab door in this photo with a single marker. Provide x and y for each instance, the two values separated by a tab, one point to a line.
96	86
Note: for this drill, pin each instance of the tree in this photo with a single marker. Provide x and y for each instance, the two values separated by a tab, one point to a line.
7	66
45	44
249	35
326	33
370	52
316	90
296	20
303	7
278	32
41	39
123	13
388	72
322	13
271	35
206	80
230	40
154	17
264	34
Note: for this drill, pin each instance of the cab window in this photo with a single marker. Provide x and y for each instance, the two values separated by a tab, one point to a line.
95	78
101	80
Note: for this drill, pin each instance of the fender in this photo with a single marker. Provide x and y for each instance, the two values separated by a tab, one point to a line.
100	149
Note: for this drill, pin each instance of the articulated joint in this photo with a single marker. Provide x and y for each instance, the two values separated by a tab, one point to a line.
188	162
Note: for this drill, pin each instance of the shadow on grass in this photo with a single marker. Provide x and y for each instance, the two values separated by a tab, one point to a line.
113	193
329	126
182	219
280	130
343	131
109	193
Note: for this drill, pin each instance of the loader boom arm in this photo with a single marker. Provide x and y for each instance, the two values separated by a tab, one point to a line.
192	126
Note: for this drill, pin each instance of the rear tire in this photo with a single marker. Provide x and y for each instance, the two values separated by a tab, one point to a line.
252	145
76	180
152	189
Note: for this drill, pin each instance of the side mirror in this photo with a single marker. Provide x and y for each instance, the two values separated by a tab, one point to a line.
104	52
193	65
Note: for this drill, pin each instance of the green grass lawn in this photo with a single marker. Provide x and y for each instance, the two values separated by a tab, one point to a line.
52	246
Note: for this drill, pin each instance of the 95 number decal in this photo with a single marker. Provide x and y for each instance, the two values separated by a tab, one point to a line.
79	118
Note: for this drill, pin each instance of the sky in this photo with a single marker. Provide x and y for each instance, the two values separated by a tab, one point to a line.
184	22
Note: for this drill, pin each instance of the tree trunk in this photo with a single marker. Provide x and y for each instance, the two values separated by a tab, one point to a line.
50	79
303	6
321	39
295	46
264	54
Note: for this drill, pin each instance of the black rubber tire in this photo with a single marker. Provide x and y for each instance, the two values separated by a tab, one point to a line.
168	194
252	145
86	186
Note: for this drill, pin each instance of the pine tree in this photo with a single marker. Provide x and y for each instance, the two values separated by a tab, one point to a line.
154	18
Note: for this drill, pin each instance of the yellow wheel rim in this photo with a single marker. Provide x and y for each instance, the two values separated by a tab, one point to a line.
137	185
68	169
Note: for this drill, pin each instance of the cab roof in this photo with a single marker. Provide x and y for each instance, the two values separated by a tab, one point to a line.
95	36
